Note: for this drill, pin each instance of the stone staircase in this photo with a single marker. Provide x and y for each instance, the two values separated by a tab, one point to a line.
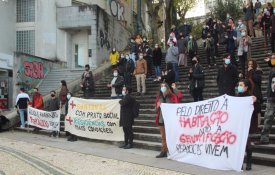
52	80
146	133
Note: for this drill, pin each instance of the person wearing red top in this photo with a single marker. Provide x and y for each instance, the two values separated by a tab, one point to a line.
37	100
165	95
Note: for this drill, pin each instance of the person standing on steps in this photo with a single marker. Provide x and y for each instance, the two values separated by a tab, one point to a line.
157	56
127	117
148	56
22	101
270	106
245	43
169	75
172	56
196	77
182	51
272	26
87	82
114	57
130	67
165	95
227	77
116	85
209	48
53	105
244	88
140	73
192	48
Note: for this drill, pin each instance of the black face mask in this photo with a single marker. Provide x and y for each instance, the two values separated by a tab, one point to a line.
87	69
52	95
194	62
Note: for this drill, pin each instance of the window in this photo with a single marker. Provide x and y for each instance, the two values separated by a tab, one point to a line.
25	11
25	41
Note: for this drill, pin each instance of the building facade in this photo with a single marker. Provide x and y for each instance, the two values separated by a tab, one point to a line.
77	32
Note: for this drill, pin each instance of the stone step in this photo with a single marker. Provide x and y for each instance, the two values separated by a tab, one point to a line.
146	129
147	145
264	149
263	159
148	137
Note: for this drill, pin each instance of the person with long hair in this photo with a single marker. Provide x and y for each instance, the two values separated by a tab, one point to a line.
244	90
254	75
165	95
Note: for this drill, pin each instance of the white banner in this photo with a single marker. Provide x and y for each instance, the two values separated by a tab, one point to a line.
48	120
95	119
210	133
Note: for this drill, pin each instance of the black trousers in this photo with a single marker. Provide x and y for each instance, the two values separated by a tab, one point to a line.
128	134
243	59
272	42
197	94
210	56
88	94
128	79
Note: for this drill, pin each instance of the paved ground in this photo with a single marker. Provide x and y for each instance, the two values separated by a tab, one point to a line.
25	153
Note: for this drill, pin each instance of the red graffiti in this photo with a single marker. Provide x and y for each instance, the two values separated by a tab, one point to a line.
34	69
199	121
39	122
225	137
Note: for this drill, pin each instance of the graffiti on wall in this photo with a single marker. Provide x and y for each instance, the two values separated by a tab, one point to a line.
31	72
104	41
117	9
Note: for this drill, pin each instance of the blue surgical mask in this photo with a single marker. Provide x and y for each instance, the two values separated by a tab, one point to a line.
274	11
171	45
240	89
127	57
243	33
68	97
163	89
227	61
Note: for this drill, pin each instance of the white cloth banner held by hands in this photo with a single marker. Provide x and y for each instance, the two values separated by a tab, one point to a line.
48	120
211	133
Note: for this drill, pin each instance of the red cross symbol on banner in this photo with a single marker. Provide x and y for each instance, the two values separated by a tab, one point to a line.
72	104
69	119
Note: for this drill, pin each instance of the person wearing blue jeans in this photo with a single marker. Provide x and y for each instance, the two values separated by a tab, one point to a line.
157	56
176	70
22	100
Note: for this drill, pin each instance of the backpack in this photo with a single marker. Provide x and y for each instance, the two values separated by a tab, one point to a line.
135	108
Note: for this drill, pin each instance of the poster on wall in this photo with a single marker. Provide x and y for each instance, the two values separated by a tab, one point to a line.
210	133
94	119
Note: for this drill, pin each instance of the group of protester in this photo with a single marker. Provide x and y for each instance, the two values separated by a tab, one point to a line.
140	60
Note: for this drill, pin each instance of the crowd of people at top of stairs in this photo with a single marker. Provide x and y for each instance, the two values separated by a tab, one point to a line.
140	59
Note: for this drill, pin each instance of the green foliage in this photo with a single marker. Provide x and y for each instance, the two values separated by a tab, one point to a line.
183	6
233	7
196	28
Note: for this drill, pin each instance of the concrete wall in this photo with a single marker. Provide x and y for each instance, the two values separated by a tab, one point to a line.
7	34
110	34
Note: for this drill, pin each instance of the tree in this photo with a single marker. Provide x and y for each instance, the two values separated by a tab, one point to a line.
234	8
183	6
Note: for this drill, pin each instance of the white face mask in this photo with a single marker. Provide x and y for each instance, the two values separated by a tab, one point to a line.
114	50
140	57
123	93
115	74
273	84
68	97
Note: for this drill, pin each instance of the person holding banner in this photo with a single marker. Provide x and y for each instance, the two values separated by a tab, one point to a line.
54	105
116	85
127	117
165	95
244	89
37	103
71	137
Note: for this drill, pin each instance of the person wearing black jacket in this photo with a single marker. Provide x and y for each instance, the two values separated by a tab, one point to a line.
270	106
22	100
53	105
196	77
127	117
148	56
227	78
116	85
157	56
87	82
129	69
121	65
71	137
169	75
